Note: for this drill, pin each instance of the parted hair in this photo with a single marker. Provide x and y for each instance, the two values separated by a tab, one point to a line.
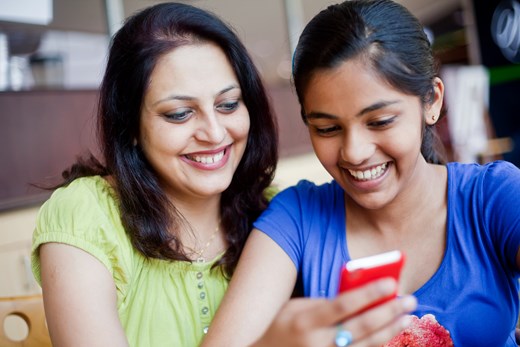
386	36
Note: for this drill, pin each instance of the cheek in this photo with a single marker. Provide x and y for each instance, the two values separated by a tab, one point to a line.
408	145
238	127
326	150
162	141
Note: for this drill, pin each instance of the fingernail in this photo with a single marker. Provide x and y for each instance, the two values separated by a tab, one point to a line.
387	286
409	303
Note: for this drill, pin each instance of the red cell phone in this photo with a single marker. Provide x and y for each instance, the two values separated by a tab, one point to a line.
363	270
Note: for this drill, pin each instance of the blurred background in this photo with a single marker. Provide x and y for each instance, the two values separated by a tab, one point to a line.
52	55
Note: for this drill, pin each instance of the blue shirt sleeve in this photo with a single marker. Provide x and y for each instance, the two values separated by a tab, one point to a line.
501	209
282	222
308	222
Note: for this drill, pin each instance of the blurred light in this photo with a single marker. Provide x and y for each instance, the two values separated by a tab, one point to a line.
505	29
26	11
284	69
429	35
263	48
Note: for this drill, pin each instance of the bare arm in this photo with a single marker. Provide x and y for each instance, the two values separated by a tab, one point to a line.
79	299
262	283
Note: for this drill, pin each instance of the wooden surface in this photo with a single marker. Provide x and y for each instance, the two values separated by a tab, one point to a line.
30	309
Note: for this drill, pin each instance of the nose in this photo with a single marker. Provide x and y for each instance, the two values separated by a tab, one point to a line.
357	147
210	128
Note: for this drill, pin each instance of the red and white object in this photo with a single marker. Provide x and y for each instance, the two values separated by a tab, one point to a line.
360	271
422	332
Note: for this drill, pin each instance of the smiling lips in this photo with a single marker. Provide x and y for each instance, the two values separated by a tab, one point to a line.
213	159
369	174
207	159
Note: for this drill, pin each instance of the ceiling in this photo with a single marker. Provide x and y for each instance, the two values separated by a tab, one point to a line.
263	25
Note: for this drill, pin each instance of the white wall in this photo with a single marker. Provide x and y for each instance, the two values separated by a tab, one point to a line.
306	166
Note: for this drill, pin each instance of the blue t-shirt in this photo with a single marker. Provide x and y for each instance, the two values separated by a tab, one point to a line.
473	293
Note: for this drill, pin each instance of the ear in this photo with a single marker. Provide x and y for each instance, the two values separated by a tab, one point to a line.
432	111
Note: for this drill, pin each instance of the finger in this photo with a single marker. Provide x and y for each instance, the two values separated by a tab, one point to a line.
355	300
378	318
330	312
382	336
359	298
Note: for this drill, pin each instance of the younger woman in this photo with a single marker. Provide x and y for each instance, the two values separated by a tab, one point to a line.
364	75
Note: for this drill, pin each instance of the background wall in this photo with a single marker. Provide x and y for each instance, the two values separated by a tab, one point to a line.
47	124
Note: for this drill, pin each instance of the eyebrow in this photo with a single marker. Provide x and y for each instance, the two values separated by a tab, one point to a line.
374	107
188	98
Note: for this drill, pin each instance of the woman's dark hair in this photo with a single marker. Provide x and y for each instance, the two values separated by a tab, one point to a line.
146	212
385	35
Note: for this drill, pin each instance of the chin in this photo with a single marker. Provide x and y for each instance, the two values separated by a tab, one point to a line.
370	201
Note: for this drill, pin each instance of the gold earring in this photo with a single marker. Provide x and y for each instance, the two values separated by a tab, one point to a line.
433	118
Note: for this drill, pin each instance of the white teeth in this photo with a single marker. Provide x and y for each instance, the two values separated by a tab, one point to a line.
371	174
209	159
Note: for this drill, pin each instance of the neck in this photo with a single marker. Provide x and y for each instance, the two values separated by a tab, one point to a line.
419	202
199	213
201	235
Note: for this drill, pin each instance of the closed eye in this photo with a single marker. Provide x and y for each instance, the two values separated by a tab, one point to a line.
326	131
179	116
381	123
228	107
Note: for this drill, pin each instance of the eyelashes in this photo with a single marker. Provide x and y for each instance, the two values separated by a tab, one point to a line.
184	114
329	130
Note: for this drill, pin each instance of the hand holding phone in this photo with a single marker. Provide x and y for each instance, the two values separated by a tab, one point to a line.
360	271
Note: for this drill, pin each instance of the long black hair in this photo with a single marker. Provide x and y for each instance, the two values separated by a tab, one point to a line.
387	36
147	215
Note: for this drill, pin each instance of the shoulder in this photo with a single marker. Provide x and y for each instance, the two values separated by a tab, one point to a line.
495	168
302	197
85	215
492	186
305	198
305	189
84	198
496	173
93	187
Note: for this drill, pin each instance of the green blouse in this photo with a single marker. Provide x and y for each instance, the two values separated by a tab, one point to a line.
160	303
